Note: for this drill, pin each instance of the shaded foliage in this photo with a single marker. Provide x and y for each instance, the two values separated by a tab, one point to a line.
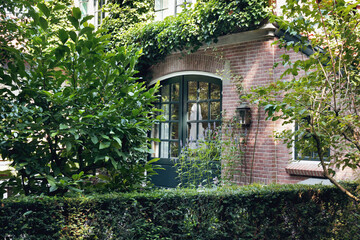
70	108
251	212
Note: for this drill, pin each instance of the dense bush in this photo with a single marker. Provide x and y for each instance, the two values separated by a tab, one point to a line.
70	108
251	212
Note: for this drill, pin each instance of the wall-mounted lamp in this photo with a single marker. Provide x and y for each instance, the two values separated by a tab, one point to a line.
243	114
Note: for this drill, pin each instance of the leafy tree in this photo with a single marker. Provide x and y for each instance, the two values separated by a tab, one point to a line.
70	108
322	97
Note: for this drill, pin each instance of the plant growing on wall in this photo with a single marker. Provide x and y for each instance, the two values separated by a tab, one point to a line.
203	23
322	96
70	108
213	160
124	14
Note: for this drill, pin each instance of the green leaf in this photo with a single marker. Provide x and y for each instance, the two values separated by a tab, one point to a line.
94	139
68	146
73	36
118	141
76	12
85	30
44	9
63	35
85	19
63	126
43	23
104	145
74	22
59	7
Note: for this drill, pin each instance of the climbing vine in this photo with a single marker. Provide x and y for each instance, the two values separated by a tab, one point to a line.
203	23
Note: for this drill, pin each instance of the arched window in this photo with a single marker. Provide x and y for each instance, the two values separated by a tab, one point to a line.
191	105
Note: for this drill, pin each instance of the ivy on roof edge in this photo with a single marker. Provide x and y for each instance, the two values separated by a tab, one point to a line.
202	24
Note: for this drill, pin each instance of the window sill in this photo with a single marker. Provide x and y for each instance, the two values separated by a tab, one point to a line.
305	168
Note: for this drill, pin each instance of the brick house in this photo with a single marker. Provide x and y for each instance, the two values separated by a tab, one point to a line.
198	87
250	55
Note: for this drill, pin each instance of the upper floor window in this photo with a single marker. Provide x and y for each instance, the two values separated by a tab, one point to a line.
164	8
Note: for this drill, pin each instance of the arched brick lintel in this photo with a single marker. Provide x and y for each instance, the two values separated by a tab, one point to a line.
189	62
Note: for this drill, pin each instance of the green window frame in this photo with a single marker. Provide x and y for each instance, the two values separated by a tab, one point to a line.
191	104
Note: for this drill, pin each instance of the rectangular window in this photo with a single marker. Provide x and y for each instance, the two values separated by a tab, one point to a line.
165	8
306	155
99	15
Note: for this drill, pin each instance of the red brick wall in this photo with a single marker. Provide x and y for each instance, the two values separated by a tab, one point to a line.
253	61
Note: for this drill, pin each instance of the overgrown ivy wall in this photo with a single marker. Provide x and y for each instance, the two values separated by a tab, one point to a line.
202	24
252	212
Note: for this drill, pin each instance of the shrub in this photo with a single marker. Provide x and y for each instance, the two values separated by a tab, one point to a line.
70	108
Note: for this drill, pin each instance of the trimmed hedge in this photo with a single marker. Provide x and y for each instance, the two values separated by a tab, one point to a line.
251	212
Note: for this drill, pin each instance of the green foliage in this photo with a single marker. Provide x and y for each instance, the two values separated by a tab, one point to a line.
201	24
70	108
199	164
214	159
251	212
123	14
322	93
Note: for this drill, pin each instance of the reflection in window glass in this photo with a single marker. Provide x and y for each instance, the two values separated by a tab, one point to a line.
192	90
174	152
175	88
166	111
165	93
203	90
215	91
215	110
174	131
164	150
203	111
174	111
164	131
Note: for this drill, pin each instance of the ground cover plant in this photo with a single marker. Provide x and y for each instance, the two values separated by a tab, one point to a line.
69	107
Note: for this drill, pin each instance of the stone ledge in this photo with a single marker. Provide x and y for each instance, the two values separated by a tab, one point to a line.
305	168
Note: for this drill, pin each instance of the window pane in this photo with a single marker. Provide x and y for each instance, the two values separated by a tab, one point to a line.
165	93
175	88
215	91
192	112
166	111
174	131
203	90
192	132
155	148
192	93
158	5
174	111
174	152
164	152
204	111
215	110
155	131
164	131
165	4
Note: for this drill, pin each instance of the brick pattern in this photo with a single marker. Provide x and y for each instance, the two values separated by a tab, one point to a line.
266	160
202	61
305	168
